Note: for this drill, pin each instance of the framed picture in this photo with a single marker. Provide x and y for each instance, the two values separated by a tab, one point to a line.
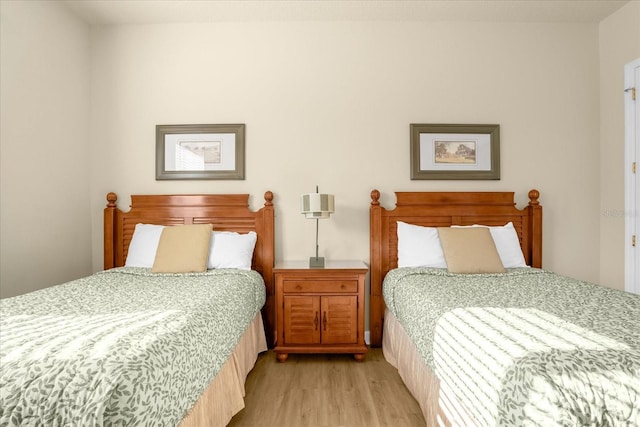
200	151
446	151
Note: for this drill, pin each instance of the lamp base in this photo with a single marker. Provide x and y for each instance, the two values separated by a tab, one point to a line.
316	262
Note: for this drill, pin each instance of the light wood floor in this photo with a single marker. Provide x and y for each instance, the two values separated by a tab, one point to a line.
327	391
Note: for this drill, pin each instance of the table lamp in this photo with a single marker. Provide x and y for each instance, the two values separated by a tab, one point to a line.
316	206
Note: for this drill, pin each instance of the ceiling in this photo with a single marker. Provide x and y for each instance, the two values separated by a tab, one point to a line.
127	12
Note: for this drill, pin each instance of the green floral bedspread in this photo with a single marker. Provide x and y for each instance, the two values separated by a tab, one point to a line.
527	347
120	347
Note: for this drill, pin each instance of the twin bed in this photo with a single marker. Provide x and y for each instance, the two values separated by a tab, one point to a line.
127	346
515	346
508	346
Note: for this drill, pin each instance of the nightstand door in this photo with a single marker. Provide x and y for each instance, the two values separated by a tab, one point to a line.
340	319
302	319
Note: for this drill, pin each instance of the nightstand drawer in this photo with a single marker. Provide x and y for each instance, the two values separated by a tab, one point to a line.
329	286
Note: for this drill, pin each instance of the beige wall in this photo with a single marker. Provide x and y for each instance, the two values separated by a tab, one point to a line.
326	103
619	45
330	103
45	210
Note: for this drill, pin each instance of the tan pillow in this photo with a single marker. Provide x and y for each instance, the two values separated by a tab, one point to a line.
183	249
470	250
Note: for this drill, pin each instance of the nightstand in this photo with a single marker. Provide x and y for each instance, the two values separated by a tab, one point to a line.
320	310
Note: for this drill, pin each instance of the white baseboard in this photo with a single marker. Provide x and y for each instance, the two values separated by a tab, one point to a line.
367	337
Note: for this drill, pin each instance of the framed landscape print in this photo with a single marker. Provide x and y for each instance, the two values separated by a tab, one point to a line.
454	151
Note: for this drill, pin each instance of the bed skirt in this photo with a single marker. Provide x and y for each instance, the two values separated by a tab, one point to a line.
224	396
438	408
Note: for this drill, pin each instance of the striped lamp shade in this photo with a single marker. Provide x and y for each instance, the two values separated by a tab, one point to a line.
316	205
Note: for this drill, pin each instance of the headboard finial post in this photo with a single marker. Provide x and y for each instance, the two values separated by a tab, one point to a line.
109	230
111	199
535	228
268	198
375	197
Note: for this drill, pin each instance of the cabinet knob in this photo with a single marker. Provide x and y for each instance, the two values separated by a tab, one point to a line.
298	287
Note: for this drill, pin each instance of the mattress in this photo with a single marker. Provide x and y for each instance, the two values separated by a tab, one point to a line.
123	346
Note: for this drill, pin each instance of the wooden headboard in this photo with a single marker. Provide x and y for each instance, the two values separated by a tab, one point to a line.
443	209
226	212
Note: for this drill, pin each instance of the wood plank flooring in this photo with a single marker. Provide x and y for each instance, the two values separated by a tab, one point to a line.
327	390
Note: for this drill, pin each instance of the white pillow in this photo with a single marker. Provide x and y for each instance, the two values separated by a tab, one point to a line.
507	243
143	245
419	246
231	250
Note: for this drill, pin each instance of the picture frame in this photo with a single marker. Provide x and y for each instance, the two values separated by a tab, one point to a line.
197	151
455	151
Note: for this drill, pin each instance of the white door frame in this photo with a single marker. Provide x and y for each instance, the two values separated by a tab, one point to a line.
631	176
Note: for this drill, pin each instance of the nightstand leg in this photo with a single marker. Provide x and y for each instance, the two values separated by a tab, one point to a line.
359	357
282	357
